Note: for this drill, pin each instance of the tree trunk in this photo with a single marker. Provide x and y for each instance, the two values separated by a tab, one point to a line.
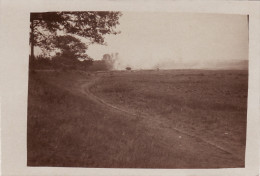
32	41
248	26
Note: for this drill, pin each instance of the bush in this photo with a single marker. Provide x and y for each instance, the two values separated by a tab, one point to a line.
40	62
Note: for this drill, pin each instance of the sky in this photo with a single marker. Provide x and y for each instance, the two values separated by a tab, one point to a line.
149	39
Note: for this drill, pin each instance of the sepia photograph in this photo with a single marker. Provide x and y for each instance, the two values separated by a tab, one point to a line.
129	88
124	89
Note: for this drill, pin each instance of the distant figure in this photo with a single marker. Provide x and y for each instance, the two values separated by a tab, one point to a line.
128	68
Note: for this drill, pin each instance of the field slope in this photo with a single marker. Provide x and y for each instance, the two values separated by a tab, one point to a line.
144	119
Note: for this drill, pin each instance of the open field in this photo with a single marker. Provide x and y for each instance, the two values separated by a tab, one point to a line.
143	119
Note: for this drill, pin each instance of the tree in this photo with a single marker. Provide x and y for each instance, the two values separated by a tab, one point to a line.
71	47
128	68
71	50
91	25
110	60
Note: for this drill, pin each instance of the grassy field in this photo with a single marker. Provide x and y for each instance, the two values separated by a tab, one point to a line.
162	119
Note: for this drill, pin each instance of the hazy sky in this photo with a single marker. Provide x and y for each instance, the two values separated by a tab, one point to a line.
151	38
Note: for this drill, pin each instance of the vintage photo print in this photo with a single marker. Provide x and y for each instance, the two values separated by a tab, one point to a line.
128	90
167	90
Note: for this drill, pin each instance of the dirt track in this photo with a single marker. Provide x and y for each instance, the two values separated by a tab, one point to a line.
172	137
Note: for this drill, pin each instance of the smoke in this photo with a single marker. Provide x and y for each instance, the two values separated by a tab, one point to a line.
213	65
171	63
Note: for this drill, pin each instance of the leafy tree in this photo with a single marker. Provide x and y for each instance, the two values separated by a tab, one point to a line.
71	47
71	50
91	25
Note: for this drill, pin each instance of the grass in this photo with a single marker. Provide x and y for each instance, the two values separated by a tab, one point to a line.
68	129
210	104
65	129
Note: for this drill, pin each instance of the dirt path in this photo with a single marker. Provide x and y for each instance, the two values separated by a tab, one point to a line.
179	139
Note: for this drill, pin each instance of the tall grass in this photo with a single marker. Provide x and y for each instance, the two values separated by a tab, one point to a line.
210	104
66	128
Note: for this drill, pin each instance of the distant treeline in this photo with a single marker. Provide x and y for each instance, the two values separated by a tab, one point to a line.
62	63
99	65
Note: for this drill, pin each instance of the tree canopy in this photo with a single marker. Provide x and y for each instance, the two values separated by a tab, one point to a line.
70	46
91	25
